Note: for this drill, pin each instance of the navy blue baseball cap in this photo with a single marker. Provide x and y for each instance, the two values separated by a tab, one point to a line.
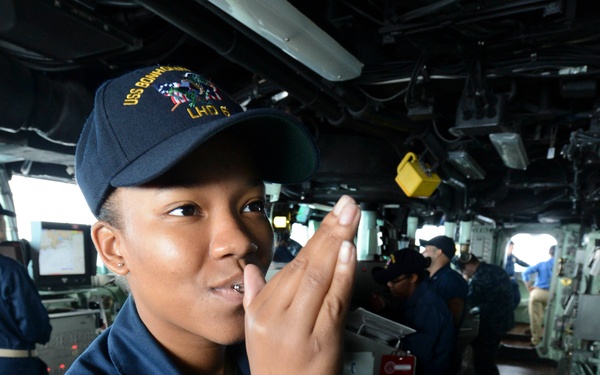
444	243
146	121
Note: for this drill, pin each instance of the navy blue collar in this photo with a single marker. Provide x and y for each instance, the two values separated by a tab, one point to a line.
135	351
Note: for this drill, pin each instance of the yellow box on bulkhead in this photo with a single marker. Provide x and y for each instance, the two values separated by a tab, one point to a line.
413	180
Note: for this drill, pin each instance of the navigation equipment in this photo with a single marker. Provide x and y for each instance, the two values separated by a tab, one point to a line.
63	255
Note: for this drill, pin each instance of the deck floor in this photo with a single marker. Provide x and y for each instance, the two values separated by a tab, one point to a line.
525	367
518	357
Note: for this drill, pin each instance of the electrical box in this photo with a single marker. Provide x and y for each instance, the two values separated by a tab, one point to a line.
586	321
72	333
371	342
414	180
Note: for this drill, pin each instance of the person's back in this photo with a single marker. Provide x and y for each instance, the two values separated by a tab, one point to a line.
544	274
24	321
539	292
427	313
491	291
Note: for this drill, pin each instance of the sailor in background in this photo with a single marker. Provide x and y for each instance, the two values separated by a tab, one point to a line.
24	320
490	291
509	267
538	294
415	304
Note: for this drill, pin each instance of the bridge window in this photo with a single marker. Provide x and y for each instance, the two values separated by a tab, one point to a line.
531	248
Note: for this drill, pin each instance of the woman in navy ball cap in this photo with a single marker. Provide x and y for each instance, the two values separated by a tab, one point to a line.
174	169
415	304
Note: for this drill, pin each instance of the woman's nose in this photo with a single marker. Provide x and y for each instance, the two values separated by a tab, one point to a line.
231	237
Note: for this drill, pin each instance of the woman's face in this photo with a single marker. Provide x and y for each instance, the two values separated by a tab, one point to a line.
402	286
186	238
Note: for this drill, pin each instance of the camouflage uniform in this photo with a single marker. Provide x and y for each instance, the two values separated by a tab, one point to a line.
490	290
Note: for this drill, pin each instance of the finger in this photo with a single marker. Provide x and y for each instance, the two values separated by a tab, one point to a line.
337	300
317	265
311	270
254	282
316	247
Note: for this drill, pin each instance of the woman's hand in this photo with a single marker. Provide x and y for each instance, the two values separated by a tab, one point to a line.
295	323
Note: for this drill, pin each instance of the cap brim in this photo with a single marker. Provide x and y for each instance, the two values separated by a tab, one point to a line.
423	243
381	276
284	149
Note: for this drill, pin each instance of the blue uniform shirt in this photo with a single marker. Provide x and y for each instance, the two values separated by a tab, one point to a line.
544	274
128	348
509	267
24	320
449	284
427	313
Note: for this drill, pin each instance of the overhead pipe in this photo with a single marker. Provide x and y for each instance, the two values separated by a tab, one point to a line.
260	56
241	50
29	100
345	93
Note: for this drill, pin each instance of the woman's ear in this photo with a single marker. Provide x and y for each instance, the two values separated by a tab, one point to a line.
413	278
107	240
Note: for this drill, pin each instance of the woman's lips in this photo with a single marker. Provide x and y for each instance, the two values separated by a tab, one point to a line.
231	289
229	294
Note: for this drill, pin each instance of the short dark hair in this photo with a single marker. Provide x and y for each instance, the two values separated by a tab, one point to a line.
109	211
552	250
460	261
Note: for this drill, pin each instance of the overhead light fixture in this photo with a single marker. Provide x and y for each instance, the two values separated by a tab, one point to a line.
486	220
465	164
280	222
511	150
279	96
287	28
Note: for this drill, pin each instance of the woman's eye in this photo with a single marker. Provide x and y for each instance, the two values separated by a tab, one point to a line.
187	210
257	206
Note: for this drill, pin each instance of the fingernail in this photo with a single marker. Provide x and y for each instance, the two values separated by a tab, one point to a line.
337	209
347	215
345	254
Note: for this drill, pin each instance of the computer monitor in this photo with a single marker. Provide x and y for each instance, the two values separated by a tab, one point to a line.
63	255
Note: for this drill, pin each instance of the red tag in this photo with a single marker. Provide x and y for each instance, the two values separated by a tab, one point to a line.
396	365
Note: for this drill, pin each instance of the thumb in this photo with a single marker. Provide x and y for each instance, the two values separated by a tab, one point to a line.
253	283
